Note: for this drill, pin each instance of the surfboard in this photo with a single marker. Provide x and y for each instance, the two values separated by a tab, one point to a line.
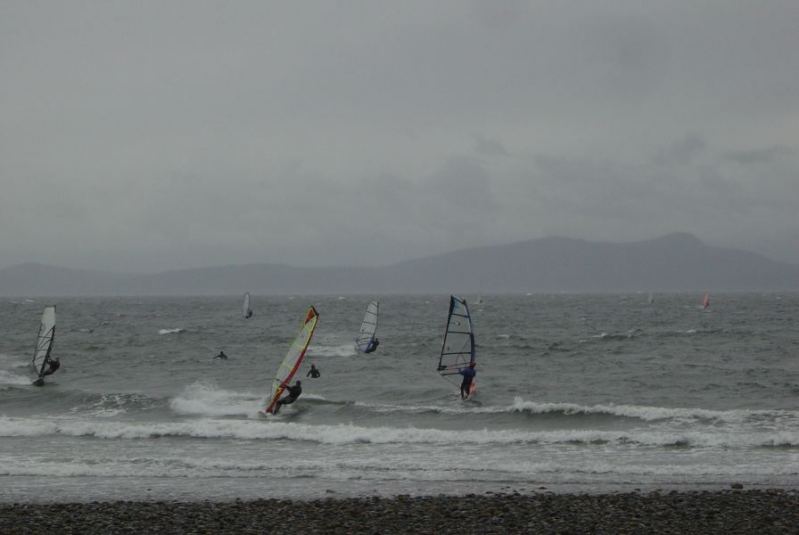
293	359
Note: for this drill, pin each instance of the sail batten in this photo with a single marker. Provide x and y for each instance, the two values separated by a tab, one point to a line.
293	359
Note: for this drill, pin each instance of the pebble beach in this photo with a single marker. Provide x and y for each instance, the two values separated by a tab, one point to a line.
734	511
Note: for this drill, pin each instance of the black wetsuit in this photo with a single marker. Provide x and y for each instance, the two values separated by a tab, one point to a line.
468	377
221	355
294	393
313	372
54	365
372	346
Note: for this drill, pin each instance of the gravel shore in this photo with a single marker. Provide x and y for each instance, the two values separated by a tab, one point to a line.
756	511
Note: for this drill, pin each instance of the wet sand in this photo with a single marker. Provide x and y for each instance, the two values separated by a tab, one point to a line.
734	511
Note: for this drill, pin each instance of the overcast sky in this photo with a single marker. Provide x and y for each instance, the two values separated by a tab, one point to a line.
150	135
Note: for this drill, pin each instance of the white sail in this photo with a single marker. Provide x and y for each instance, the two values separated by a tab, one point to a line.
291	363
44	342
246	311
366	335
458	348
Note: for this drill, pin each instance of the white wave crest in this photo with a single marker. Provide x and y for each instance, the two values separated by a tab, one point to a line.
10	378
352	434
202	399
344	350
648	413
171	331
640	412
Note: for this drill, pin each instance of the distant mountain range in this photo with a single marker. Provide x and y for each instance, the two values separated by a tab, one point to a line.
676	262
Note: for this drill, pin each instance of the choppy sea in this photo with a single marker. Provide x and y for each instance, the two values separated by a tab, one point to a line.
576	393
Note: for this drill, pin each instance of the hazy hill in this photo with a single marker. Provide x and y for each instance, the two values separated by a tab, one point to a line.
670	263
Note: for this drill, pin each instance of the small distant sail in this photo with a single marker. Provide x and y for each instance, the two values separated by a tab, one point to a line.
706	301
366	341
650	299
291	363
458	348
246	311
44	342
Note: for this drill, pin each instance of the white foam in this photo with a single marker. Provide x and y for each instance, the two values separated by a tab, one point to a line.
10	378
170	331
640	412
648	413
203	399
352	434
420	468
344	350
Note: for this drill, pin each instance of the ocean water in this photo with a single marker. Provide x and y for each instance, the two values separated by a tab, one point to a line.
576	393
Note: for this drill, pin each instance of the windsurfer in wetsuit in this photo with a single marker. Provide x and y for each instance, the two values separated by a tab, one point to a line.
372	346
221	356
54	364
293	393
249	314
468	377
313	373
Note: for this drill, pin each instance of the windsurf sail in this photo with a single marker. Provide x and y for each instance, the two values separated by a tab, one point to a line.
246	311
650	299
365	342
291	363
706	301
458	349
44	342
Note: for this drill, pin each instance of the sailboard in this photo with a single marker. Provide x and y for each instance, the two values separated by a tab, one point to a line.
291	363
44	342
706	301
458	347
246	311
366	341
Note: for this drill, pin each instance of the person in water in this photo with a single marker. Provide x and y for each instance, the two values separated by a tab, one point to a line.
221	355
468	377
313	373
372	345
293	393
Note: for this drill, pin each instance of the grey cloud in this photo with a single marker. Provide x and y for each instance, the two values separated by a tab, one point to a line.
758	156
184	134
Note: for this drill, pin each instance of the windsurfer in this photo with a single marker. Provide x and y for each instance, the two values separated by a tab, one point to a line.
293	393
221	356
313	373
468	377
372	345
53	365
249	314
